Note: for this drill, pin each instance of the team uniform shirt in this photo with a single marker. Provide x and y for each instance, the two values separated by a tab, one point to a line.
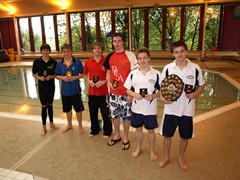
120	65
42	68
137	80
183	106
94	68
73	87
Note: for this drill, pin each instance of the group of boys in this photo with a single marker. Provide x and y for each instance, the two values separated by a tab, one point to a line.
124	88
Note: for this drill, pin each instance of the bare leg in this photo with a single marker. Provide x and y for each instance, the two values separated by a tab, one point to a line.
79	118
151	139
116	125
44	130
126	126
69	120
139	135
182	149
167	144
53	126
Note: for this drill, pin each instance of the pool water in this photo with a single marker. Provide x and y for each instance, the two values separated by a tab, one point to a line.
19	93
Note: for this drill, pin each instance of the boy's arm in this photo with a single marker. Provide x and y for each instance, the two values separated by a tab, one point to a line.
195	94
134	95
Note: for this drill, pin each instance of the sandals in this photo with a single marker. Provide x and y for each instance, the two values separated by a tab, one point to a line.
126	145
113	141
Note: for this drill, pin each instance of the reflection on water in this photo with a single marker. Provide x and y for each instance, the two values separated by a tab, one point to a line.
17	84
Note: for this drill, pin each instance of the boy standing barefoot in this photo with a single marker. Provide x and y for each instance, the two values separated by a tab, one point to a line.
180	113
69	70
143	84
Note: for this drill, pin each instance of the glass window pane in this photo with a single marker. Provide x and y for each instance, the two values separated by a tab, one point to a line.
155	29
192	20
212	26
24	30
106	30
49	32
121	18
173	25
76	32
90	29
62	31
37	33
137	28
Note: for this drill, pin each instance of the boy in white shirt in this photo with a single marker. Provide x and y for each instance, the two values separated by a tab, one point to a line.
143	84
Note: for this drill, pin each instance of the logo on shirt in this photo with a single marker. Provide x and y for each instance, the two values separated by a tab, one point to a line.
117	74
190	77
151	80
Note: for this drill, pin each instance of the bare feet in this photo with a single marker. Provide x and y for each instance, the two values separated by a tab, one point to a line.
44	131
67	128
182	165
81	130
53	126
105	137
153	156
136	153
163	162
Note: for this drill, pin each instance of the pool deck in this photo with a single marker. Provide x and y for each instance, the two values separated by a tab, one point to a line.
213	154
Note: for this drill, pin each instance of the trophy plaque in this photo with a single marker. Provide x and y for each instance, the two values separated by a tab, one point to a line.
69	73
172	87
188	88
143	92
95	79
45	74
115	84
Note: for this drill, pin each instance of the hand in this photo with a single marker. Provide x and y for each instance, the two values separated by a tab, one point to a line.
91	83
99	84
149	97
165	101
129	99
41	78
138	96
65	78
191	95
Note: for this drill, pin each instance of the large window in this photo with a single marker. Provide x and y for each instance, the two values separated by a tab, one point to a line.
24	30
155	29
212	26
49	32
106	30
61	29
76	33
90	29
37	33
173	25
121	18
137	28
192	19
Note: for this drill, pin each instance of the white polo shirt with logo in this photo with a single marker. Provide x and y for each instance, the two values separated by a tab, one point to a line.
182	106
137	80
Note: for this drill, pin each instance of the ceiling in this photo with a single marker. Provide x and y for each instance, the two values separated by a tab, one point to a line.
39	7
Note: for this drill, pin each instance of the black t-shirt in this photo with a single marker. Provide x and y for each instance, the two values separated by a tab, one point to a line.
41	68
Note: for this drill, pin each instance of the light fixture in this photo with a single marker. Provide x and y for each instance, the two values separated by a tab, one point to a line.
11	10
63	4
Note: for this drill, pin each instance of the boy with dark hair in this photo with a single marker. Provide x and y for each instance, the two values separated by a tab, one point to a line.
43	70
179	113
119	64
95	74
69	70
143	84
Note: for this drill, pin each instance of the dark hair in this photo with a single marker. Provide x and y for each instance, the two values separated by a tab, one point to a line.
118	35
66	46
143	50
45	46
97	44
178	44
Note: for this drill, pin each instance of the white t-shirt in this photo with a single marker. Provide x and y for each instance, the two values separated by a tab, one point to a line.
188	75
150	81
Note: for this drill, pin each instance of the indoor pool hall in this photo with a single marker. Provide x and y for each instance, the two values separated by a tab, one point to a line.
200	140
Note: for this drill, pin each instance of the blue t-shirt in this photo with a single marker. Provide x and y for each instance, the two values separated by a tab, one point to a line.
73	87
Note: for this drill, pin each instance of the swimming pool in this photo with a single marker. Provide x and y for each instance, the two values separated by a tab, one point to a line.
19	94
